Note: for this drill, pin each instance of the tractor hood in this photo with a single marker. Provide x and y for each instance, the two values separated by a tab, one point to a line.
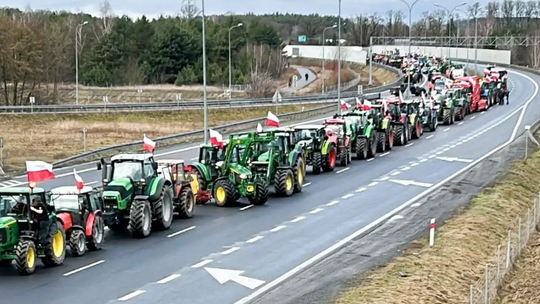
120	188
264	157
7	221
238	169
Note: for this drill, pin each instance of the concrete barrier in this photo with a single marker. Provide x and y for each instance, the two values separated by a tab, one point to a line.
348	53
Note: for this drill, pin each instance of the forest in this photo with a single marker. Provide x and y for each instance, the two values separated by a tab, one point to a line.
38	48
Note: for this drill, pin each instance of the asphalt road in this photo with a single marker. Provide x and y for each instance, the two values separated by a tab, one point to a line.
234	254
301	82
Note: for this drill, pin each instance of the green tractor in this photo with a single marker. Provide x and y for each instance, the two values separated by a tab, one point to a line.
429	114
137	197
446	108
19	231
461	102
362	133
207	167
320	152
411	109
382	122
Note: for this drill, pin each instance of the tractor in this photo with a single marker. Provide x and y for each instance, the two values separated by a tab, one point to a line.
446	108
186	186
207	167
19	231
460	100
411	110
382	123
135	196
79	211
429	114
319	151
399	122
362	133
337	132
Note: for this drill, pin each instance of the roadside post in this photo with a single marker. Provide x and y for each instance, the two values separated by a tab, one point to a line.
105	101
432	232
32	102
84	133
139	92
2	156
277	100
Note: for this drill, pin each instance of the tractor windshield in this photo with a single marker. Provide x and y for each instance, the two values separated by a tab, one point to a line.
66	202
8	202
439	83
131	169
338	129
308	134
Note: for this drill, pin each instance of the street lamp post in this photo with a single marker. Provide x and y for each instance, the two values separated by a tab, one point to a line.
230	58
205	106
450	12
468	35
339	60
78	30
323	54
410	7
475	12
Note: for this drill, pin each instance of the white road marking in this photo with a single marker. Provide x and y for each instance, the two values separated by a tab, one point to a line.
371	159
408	145
446	149
360	189
132	295
246	207
278	228
194	158
473	117
230	250
332	203
169	278
423	160
395	173
67	274
384	154
298	219
181	231
459	124
385	178
415	205
373	184
395	217
258	237
342	170
316	210
482	113
306	184
446	129
405	168
201	263
429	137
438	153
414	164
346	196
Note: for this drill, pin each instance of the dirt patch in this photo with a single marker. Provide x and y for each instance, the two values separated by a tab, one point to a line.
53	137
443	273
288	74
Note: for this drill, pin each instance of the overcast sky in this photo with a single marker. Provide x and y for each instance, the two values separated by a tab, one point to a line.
154	8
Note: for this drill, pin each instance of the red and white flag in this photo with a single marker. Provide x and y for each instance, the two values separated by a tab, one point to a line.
37	171
359	104
400	98
148	144
259	128
216	139
344	105
367	105
272	120
79	183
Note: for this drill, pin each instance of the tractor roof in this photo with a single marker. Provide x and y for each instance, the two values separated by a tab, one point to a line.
167	162
308	127
21	190
70	190
132	156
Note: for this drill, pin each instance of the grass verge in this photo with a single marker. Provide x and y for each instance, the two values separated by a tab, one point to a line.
53	137
443	273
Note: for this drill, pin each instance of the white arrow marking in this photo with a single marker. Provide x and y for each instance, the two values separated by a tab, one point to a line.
410	182
455	159
225	275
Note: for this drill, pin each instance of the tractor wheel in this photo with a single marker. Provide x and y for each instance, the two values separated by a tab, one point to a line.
25	257
361	148
331	160
344	156
447	117
224	193
261	193
77	243
164	209
399	135
55	247
417	132
284	182
317	163
140	220
408	129
381	141
299	174
202	182
372	144
452	117
186	203
457	114
389	138
95	242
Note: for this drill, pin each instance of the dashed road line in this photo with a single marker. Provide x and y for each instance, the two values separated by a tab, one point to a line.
332	203
181	231
395	217
384	154
314	211
408	145
395	173
298	219
414	164
230	250
438	153
415	205
278	228
482	112
246	207
446	129
201	263
371	159
132	295
360	189
423	160
472	118
405	168
346	196
373	184
446	149
459	124
342	170
169	278
258	237
306	184
385	178
430	136
67	274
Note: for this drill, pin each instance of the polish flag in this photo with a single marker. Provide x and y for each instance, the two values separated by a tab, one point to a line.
359	104
37	171
148	144
344	105
400	98
367	105
78	180
259	128
216	139
272	120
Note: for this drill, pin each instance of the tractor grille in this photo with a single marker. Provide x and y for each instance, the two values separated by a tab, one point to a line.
123	192
3	235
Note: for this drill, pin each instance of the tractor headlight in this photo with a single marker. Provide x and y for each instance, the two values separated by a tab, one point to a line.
243	176
142	182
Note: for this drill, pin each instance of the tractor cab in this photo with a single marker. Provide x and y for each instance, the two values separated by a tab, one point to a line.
181	176
210	154
76	202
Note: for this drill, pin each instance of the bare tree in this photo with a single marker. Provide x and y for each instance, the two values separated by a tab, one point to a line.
189	9
107	19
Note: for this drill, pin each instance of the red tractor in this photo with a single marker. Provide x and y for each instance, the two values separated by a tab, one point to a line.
337	133
471	84
79	211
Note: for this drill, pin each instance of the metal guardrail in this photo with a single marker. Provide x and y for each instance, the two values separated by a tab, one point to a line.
193	105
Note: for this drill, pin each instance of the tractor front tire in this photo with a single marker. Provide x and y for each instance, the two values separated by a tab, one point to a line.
55	247
447	117
400	134
344	156
372	149
381	141
77	242
261	193
140	220
317	163
186	203
299	174
164	211
361	148
389	138
96	240
224	193
331	159
284	182
25	257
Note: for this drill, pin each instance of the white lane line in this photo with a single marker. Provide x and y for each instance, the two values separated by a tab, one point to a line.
298	219
306	184
408	145
482	113
278	228
246	207
415	205
371	159
181	231
342	170
432	156
385	178
395	217
194	158
414	164
132	295
67	274
405	168
373	184
332	203
314	211
395	173
446	129
423	160
384	154
438	153
473	117
446	149
346	196
258	237
201	263
429	137
360	189
230	250
169	278
459	124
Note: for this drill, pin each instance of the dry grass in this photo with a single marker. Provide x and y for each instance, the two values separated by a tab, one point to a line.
54	137
467	241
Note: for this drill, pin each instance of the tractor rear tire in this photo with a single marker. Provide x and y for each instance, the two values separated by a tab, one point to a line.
331	161
51	257
228	196
284	182
344	157
400	135
261	193
95	242
381	141
186	203
317	163
164	210
361	148
389	137
299	174
25	257
77	243
447	117
140	220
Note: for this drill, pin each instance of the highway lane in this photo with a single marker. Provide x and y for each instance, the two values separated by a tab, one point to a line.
214	231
